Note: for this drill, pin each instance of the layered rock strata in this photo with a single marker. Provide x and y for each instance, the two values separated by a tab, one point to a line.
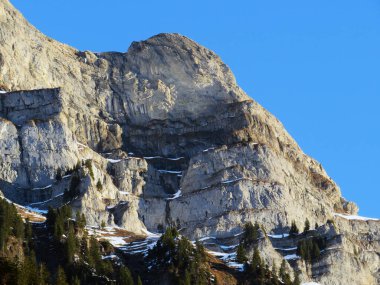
159	136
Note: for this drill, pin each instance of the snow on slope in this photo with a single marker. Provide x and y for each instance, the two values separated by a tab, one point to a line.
355	218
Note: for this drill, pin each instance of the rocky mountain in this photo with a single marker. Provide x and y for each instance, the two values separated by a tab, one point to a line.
163	136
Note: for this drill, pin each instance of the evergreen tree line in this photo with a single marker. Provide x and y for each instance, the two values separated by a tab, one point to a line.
11	223
310	249
294	230
74	257
60	173
82	261
176	259
74	191
256	272
15	236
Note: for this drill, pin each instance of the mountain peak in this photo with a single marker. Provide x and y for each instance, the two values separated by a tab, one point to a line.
162	136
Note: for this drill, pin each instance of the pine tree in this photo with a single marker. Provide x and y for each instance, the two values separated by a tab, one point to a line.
316	226
88	164
31	268
200	252
58	176
74	190
70	244
297	280
61	277
17	224
282	272
99	186
316	251
78	165
94	256
256	262
307	226
251	234
241	255
187	278
294	229
125	276
75	281
9	272
44	275
80	220
28	236
274	278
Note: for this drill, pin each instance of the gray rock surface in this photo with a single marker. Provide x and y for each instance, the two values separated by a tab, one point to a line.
162	135
20	107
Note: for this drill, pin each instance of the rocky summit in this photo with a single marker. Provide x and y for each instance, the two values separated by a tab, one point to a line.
162	136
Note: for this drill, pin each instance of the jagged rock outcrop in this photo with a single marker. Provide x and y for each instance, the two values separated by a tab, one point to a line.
162	135
24	106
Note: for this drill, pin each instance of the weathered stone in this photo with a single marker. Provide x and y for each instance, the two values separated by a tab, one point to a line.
206	157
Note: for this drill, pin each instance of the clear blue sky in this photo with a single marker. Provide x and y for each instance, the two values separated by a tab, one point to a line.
314	64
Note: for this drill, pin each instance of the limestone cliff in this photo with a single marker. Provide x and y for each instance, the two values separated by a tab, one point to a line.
162	135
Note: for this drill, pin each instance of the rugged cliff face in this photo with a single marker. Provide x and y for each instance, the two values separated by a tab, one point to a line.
162	135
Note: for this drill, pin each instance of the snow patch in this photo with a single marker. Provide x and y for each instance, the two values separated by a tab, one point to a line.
279	236
238	266
170	171
44	202
206	238
175	158
160	157
355	218
113	160
150	234
176	195
80	144
116	241
36	210
222	255
228	247
112	256
232	181
42	188
287	249
291	257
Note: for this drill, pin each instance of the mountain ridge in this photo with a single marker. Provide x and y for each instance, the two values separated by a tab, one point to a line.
159	136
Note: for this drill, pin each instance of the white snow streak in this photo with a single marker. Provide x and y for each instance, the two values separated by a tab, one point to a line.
80	144
170	171
42	188
113	160
43	202
292	257
176	195
279	236
232	181
168	158
355	218
287	249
